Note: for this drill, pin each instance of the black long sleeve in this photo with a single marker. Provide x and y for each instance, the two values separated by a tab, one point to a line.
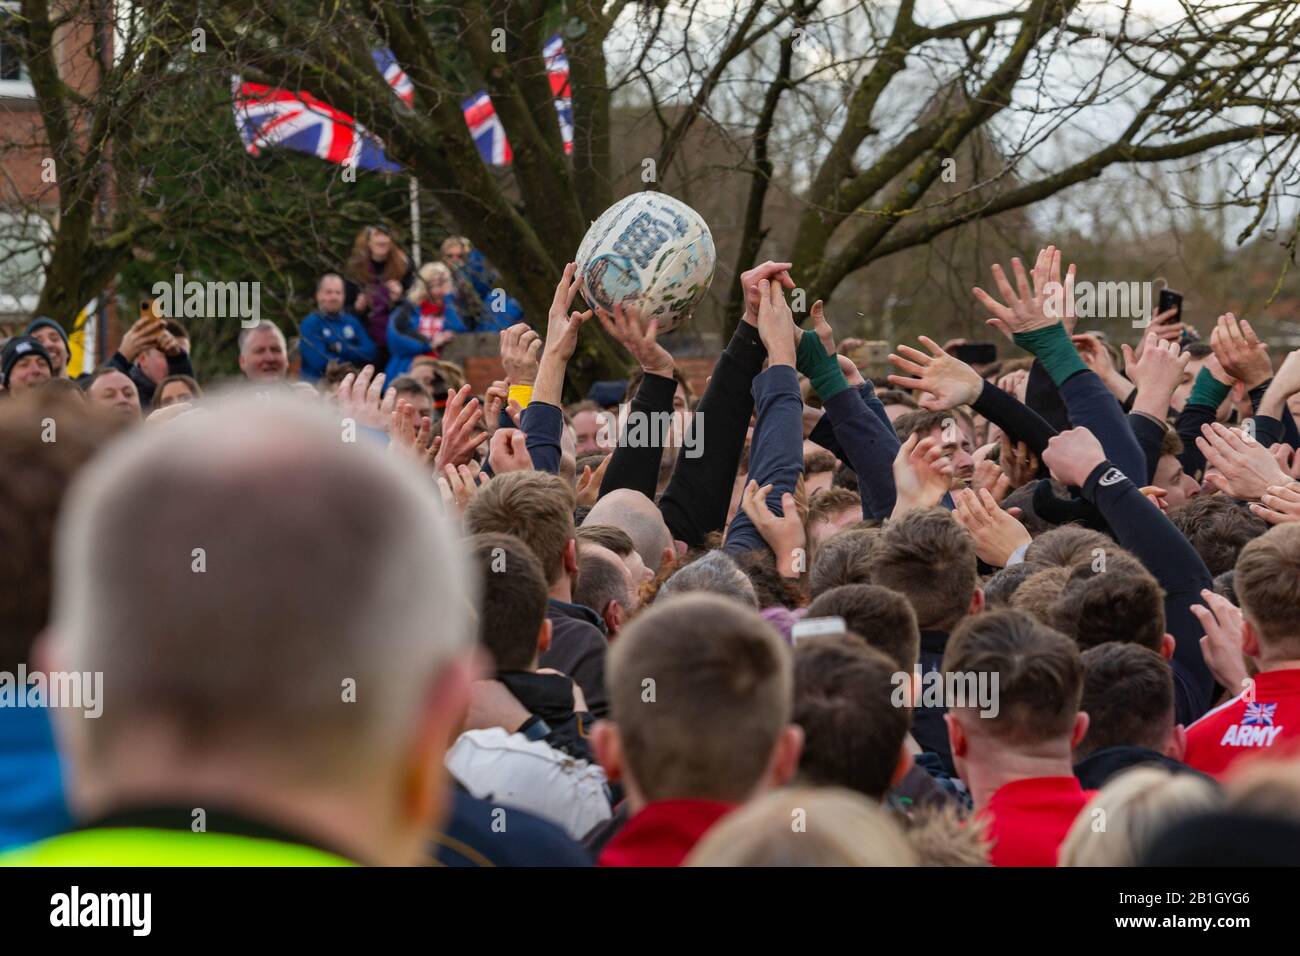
638	467
1018	420
1150	435
1141	528
696	500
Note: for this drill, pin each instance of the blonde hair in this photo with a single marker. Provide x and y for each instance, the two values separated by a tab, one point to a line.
423	281
1266	786
806	826
1117	825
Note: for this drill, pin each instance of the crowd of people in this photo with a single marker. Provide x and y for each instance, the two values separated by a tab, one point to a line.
953	618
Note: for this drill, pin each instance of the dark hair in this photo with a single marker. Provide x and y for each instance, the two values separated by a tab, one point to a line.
405	385
770	588
186	380
512	603
881	617
930	559
175	329
607	536
1218	528
844	699
1125	605
1040	673
819	461
1128	695
600	581
1002	584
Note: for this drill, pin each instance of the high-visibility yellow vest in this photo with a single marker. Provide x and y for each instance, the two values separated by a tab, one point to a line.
147	846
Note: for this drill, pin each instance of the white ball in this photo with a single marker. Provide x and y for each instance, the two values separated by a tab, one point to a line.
650	250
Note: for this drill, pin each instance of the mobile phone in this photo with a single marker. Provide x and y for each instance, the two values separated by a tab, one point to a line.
976	353
1169	299
817	627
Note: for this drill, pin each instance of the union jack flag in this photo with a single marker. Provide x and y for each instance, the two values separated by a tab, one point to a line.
295	119
485	126
1258	715
267	116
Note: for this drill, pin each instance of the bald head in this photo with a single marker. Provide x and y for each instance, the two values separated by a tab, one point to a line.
222	638
639	517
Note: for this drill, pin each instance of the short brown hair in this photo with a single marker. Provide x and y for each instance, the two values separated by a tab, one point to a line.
880	617
1128	695
537	507
1268	583
512	603
721	697
607	536
1067	546
1218	528
1040	673
843	558
1039	592
921	422
930	559
832	501
819	462
843	700
1125	605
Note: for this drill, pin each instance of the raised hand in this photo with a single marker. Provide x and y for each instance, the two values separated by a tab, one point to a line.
947	381
784	533
1280	504
749	280
408	433
1243	467
588	490
1073	455
1240	352
507	451
776	324
459	437
361	397
562	325
458	484
1286	382
997	534
1018	462
1222	644
625	327
521	352
922	474
1157	373
1058	292
1025	305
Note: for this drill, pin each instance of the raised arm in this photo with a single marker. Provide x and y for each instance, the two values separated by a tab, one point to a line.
776	451
698	495
635	465
864	437
1030	318
1077	458
543	419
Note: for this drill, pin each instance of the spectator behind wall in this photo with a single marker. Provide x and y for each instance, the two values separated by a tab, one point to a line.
378	274
419	324
482	304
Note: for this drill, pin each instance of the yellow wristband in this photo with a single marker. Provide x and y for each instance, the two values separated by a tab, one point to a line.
523	394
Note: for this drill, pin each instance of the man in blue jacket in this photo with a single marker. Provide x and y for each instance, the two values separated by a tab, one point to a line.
331	334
